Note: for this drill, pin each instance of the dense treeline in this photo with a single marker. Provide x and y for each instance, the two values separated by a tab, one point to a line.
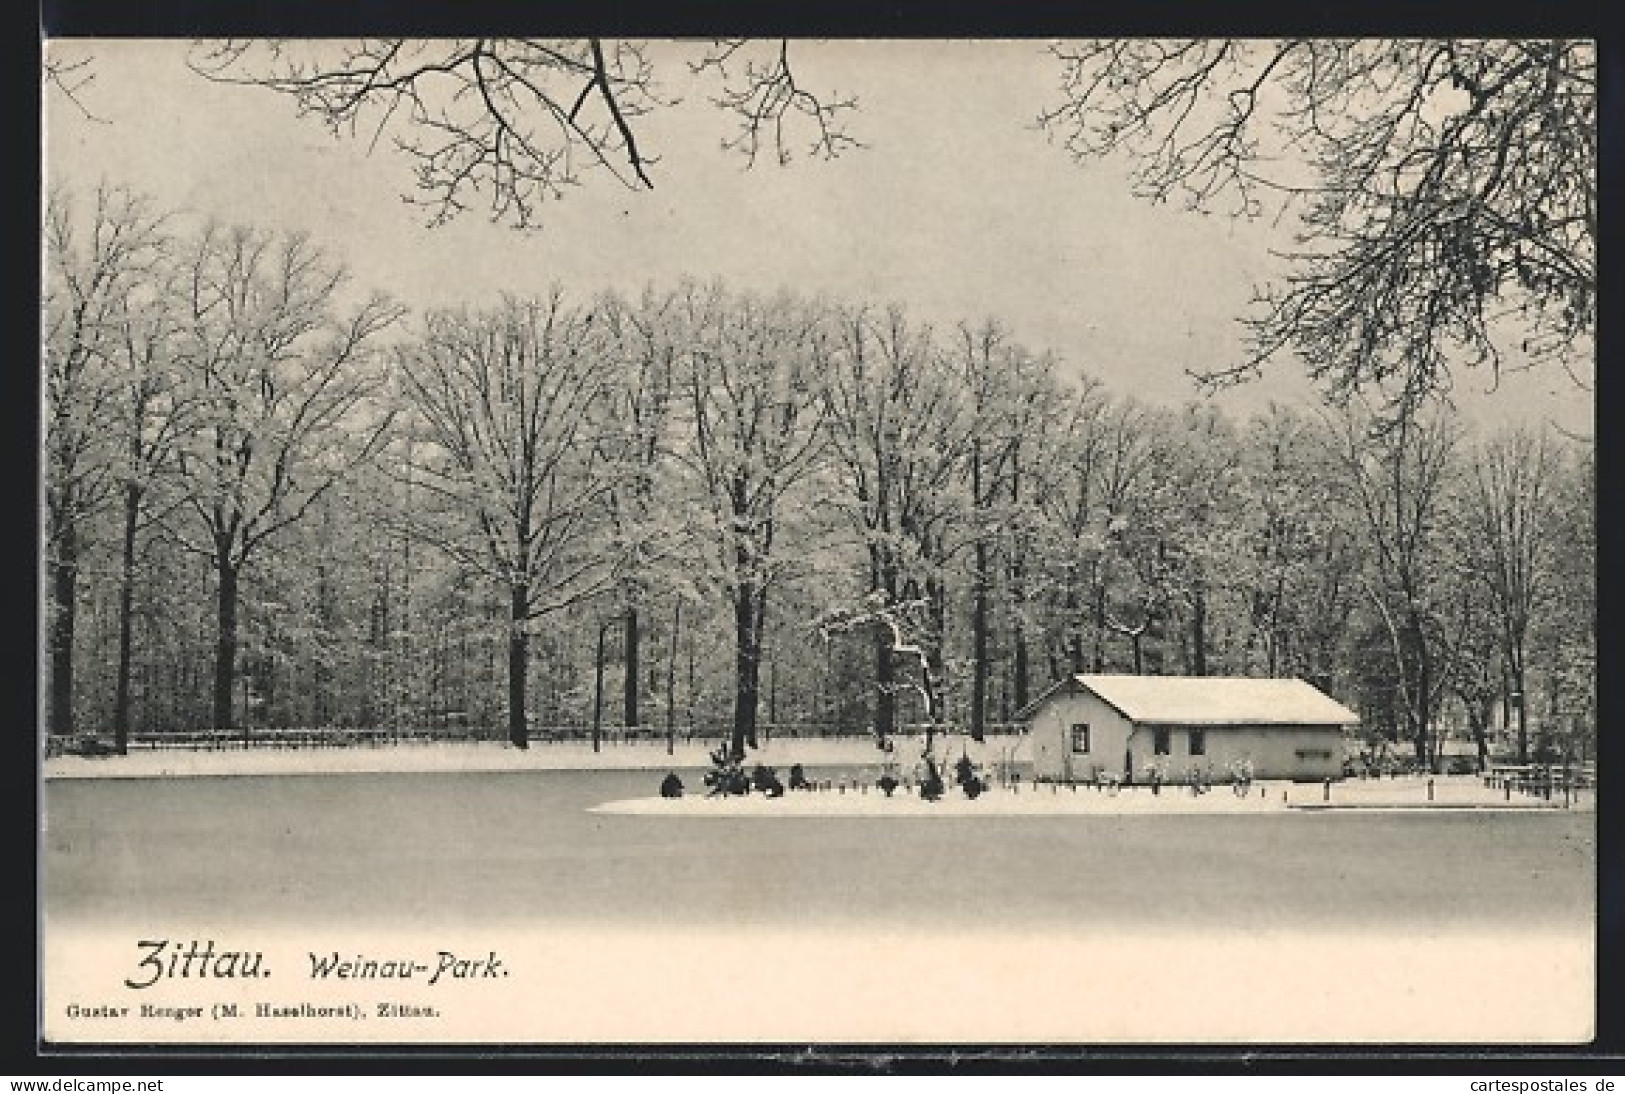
274	500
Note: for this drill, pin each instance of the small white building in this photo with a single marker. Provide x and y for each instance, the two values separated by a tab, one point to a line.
1092	727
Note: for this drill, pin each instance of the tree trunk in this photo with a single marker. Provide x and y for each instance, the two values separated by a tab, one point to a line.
884	578
1419	701
518	665
936	649
126	613
671	679
1019	668
1515	672
598	687
885	686
225	652
748	612
1018	634
978	684
693	720
630	647
64	601
1099	623
1479	718
1074	628
1199	632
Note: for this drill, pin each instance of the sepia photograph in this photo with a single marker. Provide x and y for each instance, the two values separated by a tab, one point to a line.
799	542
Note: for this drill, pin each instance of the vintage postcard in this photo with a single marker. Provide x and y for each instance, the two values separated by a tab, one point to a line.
600	542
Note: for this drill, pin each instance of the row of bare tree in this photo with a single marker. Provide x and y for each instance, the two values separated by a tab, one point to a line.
766	477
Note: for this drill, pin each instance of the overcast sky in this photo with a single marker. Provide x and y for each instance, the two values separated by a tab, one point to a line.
958	208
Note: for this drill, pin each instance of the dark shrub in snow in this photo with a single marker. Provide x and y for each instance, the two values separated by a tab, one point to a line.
968	778
931	784
767	781
727	775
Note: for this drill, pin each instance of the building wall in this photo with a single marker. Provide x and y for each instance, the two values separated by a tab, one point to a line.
1305	753
1109	732
1309	753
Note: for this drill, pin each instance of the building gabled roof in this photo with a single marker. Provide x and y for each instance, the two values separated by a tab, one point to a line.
1208	700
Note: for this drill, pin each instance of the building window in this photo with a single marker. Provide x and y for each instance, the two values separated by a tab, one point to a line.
1080	737
1198	742
1159	742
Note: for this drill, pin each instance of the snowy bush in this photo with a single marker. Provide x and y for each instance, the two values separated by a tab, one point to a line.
931	782
727	775
766	780
968	778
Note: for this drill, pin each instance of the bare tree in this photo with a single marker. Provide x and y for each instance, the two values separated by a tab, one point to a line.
515	122
97	253
150	414
761	93
1566	635
508	405
1445	190
1402	476
1471	639
1124	586
279	376
1068	491
1512	519
1009	397
898	428
644	348
757	424
1302	565
1201	533
70	79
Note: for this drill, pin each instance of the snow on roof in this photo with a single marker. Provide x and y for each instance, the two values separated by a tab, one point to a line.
1218	700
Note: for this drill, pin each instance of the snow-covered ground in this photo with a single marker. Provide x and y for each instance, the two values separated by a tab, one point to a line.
870	802
852	795
1050	800
450	757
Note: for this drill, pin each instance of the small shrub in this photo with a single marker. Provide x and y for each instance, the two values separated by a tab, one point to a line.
727	775
671	786
968	778
931	783
887	784
766	780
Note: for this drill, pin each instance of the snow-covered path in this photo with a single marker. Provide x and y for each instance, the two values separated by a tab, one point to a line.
451	757
853	794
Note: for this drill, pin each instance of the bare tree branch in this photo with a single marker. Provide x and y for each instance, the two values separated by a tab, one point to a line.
1444	192
516	122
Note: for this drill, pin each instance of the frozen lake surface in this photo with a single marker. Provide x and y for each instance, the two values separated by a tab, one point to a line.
523	848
